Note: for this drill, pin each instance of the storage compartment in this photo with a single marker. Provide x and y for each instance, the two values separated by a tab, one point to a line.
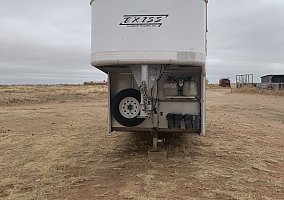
190	89
170	88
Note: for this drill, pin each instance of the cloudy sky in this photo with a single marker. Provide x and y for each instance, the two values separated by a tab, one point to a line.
49	41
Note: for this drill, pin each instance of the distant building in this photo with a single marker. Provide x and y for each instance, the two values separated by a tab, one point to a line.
272	82
272	79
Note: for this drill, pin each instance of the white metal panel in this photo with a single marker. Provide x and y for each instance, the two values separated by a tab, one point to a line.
169	29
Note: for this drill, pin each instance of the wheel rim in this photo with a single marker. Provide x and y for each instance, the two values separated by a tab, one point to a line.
129	107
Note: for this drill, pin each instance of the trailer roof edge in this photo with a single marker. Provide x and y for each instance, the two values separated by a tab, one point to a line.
206	1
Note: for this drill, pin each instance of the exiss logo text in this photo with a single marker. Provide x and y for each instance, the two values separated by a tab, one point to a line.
143	20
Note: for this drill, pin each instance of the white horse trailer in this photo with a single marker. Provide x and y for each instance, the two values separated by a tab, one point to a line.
154	53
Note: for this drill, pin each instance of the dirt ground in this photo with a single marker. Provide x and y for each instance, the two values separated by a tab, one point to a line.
54	145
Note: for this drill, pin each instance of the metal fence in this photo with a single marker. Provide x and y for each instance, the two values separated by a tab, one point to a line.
244	80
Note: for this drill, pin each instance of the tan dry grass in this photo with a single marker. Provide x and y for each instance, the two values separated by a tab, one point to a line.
255	90
214	86
62	151
20	95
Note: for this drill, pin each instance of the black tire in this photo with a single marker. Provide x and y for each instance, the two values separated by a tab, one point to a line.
129	122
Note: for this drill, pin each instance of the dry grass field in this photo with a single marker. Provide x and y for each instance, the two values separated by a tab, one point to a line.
54	145
254	90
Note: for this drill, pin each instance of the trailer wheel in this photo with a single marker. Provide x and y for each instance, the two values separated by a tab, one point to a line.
125	107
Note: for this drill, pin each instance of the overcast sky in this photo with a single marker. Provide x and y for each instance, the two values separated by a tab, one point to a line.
49	41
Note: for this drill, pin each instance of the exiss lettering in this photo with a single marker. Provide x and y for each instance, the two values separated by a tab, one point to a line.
143	20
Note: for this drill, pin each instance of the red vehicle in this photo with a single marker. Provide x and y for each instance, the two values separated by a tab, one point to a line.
225	82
